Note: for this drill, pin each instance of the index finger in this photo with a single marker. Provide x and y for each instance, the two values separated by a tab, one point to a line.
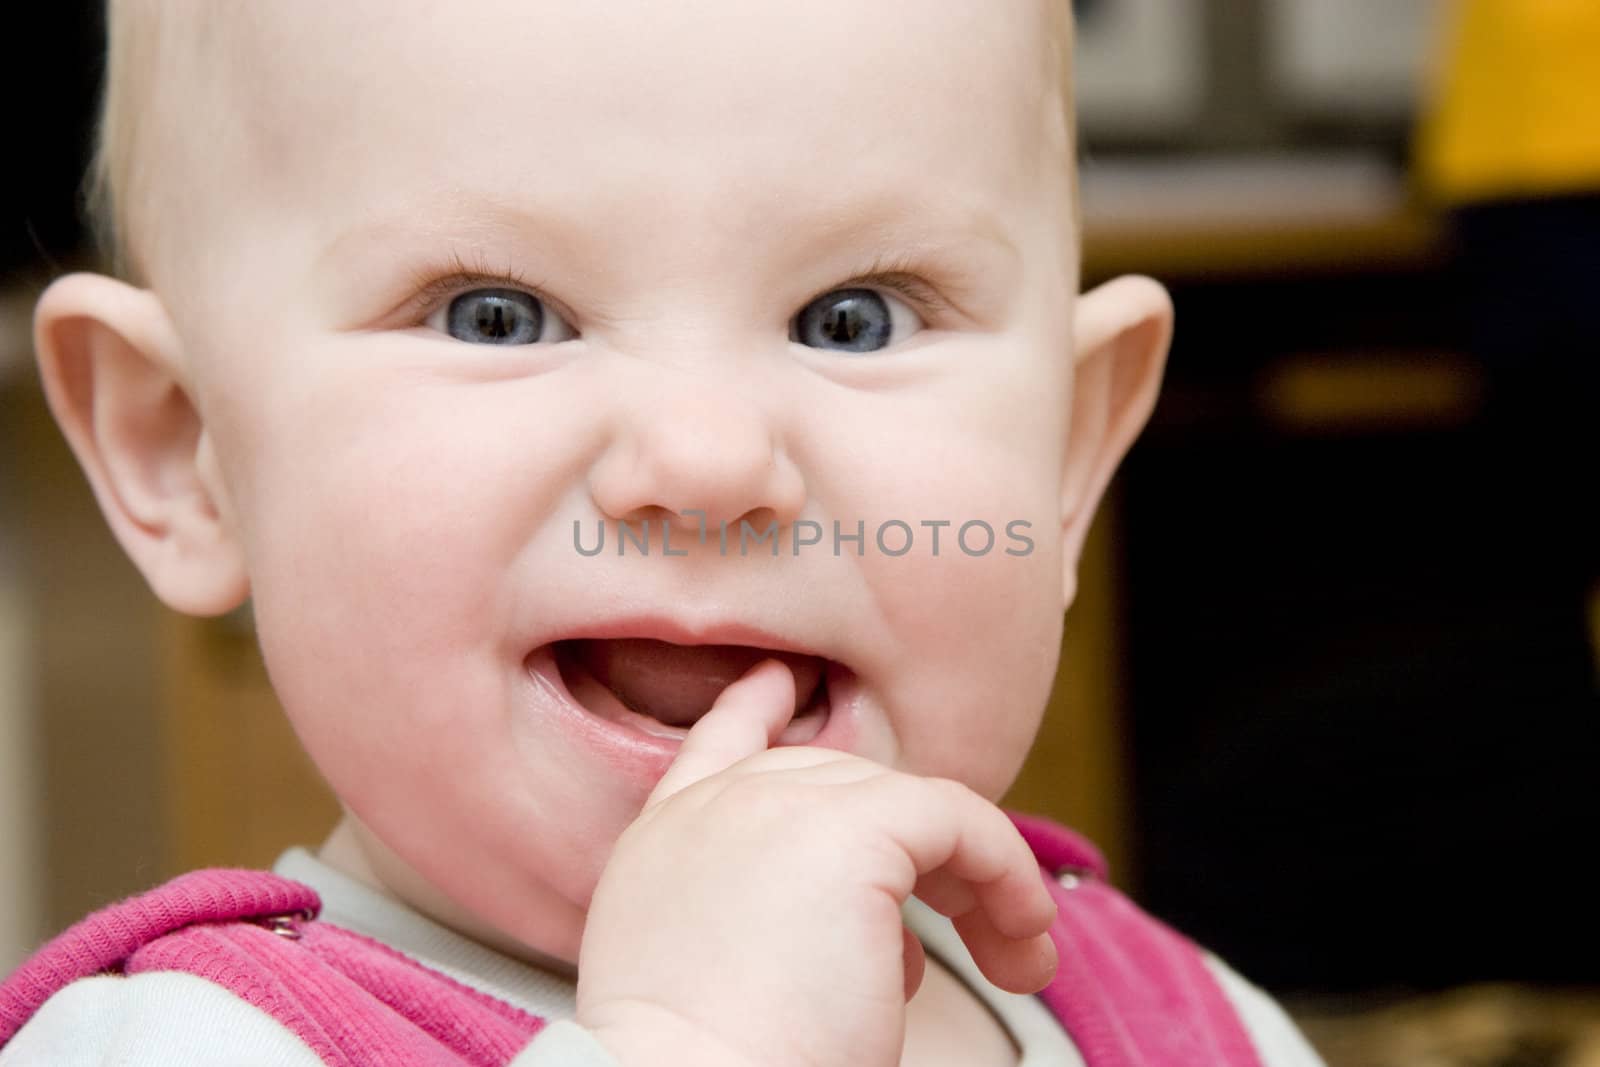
745	719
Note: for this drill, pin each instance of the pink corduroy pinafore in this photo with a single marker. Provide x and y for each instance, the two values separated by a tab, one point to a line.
1129	992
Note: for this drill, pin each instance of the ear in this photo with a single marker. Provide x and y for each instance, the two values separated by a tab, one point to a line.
110	362
1120	336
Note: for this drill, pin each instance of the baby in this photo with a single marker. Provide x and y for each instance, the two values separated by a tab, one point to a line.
656	440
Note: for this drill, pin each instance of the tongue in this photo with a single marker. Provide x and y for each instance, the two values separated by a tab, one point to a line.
677	684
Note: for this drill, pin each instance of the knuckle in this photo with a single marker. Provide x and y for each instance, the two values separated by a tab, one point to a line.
762	797
952	792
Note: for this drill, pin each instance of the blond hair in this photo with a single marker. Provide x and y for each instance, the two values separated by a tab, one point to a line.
135	33
107	177
142	39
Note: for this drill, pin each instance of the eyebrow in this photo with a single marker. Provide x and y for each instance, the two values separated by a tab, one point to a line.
944	228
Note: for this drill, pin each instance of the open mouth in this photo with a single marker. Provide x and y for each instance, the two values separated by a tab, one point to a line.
663	689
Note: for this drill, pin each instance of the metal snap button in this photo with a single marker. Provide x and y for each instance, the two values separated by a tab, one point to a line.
1072	877
282	925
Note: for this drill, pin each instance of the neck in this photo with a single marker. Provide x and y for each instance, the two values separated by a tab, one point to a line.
352	850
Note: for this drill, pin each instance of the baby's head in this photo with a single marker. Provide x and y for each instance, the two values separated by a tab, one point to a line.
429	298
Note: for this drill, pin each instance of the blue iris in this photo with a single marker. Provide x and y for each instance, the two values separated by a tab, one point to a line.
845	320
495	317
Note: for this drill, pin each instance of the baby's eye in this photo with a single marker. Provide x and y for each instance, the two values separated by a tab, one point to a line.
500	317
854	320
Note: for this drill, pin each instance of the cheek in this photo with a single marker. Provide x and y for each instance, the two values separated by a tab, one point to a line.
385	527
409	497
975	630
389	530
975	651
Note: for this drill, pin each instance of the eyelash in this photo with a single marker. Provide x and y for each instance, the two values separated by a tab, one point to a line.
458	276
435	287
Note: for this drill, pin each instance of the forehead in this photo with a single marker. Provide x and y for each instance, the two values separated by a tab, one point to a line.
637	115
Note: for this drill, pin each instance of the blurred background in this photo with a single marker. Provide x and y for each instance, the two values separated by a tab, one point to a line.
1329	693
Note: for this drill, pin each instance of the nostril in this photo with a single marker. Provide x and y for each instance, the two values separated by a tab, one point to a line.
759	519
653	514
699	521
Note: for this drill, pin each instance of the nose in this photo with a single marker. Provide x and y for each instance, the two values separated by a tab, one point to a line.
696	449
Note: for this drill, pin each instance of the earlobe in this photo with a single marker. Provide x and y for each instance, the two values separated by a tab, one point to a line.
110	363
1121	333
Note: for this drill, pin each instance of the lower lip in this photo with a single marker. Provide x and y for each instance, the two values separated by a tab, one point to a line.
646	754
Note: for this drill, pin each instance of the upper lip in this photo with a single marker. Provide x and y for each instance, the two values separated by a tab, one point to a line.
679	632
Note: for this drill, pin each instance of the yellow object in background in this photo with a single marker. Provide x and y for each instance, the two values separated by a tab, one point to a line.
1515	102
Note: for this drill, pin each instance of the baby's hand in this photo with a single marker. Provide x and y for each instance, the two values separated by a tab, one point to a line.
751	914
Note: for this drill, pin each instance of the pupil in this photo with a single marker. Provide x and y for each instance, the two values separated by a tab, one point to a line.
495	324
843	324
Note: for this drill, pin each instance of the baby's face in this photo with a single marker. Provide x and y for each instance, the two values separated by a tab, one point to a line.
795	264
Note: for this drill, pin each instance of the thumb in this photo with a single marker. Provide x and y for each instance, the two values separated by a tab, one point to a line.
745	719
